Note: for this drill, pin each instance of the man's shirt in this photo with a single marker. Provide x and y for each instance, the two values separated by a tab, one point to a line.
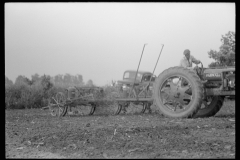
188	63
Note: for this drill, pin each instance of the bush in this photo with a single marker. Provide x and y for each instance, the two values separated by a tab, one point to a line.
23	95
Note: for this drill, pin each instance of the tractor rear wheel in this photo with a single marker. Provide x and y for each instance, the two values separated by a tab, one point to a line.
210	107
178	92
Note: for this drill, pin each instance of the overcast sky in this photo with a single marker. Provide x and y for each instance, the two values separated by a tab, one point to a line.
102	40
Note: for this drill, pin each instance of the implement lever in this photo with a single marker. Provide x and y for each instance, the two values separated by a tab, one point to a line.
137	70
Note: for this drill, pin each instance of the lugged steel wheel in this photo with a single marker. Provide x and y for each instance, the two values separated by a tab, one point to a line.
59	108
178	92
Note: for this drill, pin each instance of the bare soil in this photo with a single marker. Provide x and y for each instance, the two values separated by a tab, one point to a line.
34	133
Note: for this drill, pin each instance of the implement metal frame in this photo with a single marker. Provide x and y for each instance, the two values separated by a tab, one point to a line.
137	97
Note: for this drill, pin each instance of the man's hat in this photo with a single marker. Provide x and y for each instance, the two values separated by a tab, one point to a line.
186	52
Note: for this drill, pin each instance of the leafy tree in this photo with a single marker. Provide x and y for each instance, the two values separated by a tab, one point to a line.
58	80
9	90
77	80
35	78
226	54
19	95
46	83
90	83
8	82
21	80
29	82
67	79
80	79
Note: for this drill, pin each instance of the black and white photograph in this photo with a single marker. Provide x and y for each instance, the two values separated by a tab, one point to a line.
119	80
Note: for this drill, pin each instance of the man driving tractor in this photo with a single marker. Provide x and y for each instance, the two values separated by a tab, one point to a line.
188	59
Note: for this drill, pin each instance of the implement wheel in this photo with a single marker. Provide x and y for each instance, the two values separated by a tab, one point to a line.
178	92
59	109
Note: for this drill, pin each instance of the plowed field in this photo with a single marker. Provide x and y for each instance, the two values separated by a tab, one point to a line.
36	134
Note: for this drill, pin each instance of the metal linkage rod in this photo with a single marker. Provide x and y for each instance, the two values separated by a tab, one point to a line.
156	62
137	69
158	58
152	72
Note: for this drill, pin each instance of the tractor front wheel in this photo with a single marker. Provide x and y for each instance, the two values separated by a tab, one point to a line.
178	92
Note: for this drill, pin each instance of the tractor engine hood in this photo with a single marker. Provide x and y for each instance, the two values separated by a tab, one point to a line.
215	74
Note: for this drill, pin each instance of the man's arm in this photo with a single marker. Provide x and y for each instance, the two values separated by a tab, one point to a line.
194	60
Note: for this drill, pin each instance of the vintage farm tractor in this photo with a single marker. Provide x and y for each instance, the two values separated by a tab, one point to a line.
178	92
